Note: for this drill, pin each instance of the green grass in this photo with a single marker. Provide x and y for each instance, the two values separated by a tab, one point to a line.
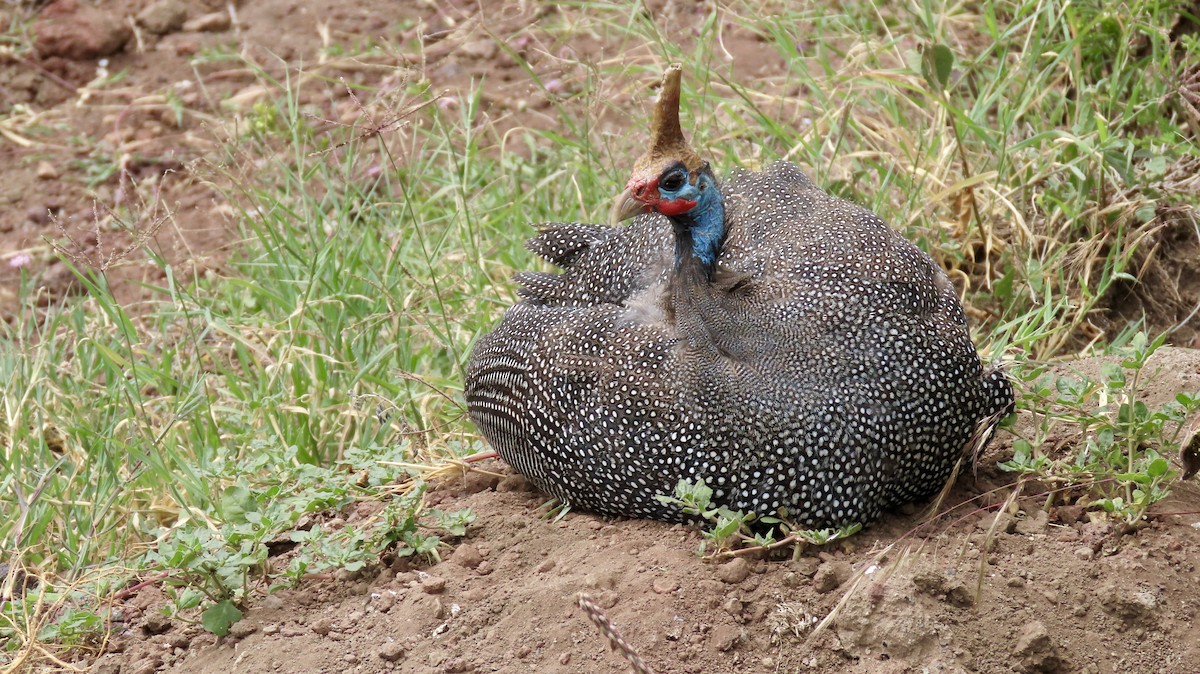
369	260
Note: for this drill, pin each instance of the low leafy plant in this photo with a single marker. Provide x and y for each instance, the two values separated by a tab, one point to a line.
1118	453
733	530
212	563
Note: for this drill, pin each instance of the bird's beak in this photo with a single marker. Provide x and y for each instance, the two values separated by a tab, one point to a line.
626	206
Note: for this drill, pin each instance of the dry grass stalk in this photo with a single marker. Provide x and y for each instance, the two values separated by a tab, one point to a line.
615	640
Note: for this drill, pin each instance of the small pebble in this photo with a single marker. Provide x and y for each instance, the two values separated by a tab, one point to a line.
386	600
391	652
732	606
46	171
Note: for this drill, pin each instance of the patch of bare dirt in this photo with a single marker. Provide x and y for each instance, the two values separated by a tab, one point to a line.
1045	591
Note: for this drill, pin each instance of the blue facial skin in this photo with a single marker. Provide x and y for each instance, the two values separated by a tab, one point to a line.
704	222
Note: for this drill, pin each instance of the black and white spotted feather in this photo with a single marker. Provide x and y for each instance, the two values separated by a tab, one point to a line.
843	380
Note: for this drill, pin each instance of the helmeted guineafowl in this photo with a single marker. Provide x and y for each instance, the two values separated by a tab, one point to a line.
782	344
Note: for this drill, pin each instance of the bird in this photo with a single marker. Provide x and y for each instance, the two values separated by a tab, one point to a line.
782	345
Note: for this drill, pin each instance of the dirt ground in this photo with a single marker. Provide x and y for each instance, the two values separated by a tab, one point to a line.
1056	593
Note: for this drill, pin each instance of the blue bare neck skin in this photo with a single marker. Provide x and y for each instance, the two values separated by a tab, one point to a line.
700	232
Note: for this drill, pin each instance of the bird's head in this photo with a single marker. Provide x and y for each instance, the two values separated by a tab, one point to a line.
670	178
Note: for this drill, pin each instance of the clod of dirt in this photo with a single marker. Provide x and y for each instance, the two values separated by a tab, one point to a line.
1068	515
457	665
156	623
384	599
665	585
830	576
433	585
481	50
321	626
1034	522
391	652
1004	523
1129	604
733	606
242	629
888	626
102	667
948	589
725	637
467	556
79	32
214	22
807	566
1035	650
162	17
147	666
733	571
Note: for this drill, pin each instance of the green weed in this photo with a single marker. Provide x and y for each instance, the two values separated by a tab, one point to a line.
1117	451
729	532
212	566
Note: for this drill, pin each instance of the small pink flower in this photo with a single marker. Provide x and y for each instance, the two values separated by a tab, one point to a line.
20	260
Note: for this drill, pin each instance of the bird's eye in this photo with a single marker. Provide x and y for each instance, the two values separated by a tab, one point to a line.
672	182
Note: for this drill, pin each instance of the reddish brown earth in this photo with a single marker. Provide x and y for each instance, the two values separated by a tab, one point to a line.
1054	591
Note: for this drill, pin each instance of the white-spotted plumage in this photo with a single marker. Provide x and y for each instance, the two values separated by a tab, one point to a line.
839	380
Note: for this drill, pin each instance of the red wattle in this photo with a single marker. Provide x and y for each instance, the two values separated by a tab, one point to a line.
674	207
